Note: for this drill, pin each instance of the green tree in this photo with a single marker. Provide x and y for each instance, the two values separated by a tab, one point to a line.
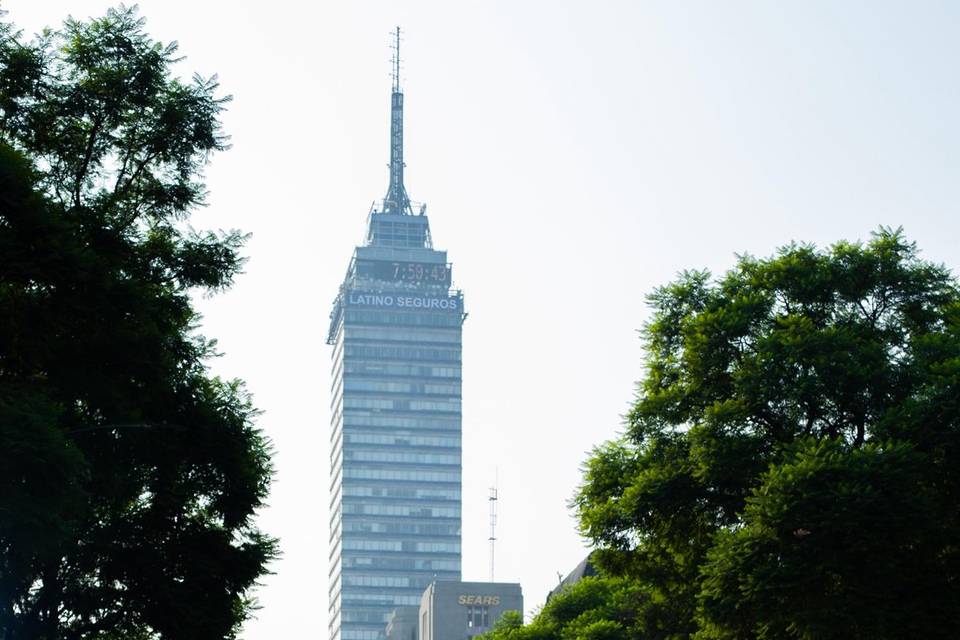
836	543
790	467
129	476
508	626
593	608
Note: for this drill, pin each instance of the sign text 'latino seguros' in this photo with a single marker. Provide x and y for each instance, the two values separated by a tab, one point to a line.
400	301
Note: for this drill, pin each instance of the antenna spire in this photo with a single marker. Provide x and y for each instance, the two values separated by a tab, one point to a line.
395	61
493	526
396	201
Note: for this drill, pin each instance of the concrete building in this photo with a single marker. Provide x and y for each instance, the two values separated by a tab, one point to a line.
403	624
583	570
462	610
395	461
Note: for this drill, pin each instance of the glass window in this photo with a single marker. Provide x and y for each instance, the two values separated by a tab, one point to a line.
401	352
478	616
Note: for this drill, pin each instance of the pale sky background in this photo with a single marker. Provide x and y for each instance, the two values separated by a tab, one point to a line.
573	156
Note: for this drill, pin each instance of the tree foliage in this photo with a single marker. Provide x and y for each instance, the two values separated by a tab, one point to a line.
791	466
591	609
128	475
835	543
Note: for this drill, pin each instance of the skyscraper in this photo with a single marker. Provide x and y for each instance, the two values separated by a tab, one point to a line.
395	440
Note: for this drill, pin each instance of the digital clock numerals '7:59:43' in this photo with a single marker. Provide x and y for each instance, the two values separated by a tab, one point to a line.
421	272
417	273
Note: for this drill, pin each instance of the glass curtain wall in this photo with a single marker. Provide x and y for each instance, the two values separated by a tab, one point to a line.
395	427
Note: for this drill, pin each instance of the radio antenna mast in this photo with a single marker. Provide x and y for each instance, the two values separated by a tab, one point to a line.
396	200
493	527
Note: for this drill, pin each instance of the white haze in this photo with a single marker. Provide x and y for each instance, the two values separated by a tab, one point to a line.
573	157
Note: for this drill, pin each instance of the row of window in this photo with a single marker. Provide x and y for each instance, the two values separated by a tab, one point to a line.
449	406
406	440
412	475
405	528
399	234
351	384
401	564
365	616
439	547
396	456
404	333
351	597
399	318
389	352
402	492
416	422
401	510
398	545
360	634
376	581
395	369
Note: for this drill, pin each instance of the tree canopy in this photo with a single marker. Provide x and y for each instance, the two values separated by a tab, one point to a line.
129	476
791	465
590	609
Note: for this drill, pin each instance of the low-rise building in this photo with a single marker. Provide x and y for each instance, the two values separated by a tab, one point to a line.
583	570
461	610
402	623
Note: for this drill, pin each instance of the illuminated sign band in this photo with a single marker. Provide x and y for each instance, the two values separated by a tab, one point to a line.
401	301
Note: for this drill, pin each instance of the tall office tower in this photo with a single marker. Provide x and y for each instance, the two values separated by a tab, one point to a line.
395	427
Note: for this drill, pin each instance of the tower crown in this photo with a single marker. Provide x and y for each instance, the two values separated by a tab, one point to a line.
393	223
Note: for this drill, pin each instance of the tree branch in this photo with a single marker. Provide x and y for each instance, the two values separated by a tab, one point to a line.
87	156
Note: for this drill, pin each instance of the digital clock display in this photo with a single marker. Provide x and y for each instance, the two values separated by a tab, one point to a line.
409	272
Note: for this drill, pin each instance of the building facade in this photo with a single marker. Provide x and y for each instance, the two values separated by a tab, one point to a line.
585	569
395	438
403	623
462	610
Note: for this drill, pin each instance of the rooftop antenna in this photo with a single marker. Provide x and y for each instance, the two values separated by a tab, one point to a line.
396	201
395	60
493	527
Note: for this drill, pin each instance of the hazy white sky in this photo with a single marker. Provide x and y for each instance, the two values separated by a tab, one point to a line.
573	156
